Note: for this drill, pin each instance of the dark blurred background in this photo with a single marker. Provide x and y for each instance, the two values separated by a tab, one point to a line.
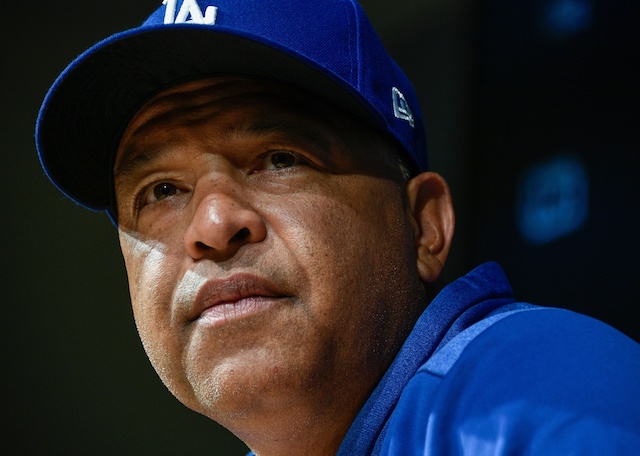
532	111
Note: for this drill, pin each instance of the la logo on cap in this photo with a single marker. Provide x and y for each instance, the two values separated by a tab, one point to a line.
189	12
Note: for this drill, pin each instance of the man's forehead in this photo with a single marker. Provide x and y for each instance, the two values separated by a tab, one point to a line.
142	149
243	107
200	99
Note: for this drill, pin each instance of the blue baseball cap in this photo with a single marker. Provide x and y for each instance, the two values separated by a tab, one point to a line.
327	47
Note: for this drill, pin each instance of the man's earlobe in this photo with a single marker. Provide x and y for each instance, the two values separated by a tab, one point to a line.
432	215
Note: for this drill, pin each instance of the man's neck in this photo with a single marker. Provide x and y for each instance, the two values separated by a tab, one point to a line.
308	434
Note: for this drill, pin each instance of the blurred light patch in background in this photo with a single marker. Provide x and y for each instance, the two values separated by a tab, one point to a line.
553	199
565	18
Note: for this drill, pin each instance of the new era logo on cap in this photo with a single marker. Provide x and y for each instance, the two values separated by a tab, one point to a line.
190	12
401	108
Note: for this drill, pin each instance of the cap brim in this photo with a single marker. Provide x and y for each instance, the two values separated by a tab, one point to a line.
90	104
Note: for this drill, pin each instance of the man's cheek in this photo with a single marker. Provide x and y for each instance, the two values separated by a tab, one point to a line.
145	262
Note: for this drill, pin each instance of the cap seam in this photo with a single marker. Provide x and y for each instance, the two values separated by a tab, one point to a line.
358	39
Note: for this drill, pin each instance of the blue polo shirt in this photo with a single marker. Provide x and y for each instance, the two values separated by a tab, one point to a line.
483	374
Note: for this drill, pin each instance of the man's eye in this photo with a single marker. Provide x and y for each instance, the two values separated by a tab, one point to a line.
280	159
161	191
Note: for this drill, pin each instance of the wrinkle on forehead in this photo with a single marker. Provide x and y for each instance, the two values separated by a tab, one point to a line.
206	101
197	101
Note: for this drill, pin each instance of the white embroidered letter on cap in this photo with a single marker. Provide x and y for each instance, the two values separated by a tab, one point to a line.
401	108
188	9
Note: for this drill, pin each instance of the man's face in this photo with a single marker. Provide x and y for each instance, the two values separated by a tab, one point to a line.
270	259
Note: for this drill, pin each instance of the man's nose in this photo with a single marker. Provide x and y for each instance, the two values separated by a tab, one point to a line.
223	221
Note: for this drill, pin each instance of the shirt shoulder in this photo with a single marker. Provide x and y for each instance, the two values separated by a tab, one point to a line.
548	381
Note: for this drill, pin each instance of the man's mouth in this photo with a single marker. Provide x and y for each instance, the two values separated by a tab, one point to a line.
238	296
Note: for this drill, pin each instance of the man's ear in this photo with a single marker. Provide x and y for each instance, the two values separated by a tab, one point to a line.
431	212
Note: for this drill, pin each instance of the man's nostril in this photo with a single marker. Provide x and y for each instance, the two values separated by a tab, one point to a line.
241	234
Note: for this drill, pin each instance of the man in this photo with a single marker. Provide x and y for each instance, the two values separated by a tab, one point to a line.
265	164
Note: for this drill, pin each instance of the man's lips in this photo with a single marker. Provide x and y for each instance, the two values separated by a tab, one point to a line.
235	297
